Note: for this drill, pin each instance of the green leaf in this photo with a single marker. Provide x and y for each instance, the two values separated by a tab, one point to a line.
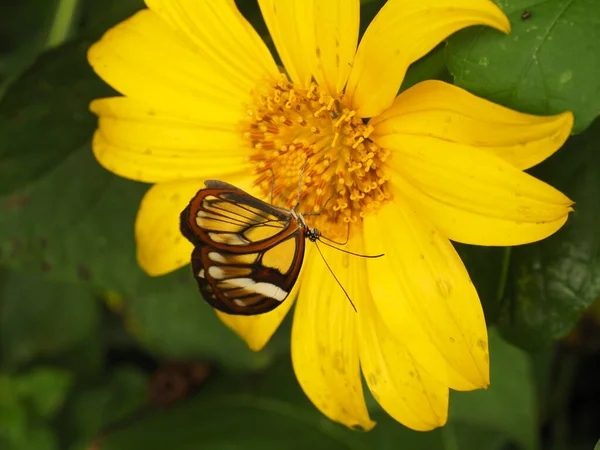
87	358
368	10
555	280
462	436
128	386
13	415
23	35
172	320
17	432
271	411
87	237
489	278
43	318
45	389
94	408
508	405
266	411
430	67
87	231
251	11
39	437
258	423
44	115
549	62
100	15
597	446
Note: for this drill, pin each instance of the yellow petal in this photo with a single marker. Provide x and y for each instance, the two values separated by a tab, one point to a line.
315	38
470	227
402	388
147	60
425	296
161	248
451	114
402	32
288	26
257	330
324	341
331	36
507	206
139	142
222	35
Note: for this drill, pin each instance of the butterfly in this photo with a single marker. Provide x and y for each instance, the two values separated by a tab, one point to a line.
247	253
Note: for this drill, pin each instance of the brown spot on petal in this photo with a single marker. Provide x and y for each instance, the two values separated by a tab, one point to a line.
444	287
338	362
373	379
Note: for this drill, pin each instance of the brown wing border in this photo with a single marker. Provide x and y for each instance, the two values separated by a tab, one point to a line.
208	286
197	236
203	244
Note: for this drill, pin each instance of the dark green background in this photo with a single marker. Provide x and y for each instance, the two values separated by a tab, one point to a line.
83	329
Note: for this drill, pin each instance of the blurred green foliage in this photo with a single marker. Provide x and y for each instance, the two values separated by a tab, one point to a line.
85	335
548	64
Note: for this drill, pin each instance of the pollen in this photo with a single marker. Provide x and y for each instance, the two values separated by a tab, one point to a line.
313	152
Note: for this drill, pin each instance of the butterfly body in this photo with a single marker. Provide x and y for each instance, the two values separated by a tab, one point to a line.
248	253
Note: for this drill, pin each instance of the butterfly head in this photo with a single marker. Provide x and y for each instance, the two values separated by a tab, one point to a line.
312	234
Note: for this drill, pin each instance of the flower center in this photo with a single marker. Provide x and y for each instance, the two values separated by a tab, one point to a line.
307	141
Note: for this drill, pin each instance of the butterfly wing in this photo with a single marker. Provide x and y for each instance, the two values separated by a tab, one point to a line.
248	254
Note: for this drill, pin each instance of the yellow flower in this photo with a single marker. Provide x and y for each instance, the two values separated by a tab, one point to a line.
203	98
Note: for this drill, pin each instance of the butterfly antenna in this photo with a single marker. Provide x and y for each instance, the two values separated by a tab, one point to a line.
348	251
336	278
323	209
338	243
272	183
300	183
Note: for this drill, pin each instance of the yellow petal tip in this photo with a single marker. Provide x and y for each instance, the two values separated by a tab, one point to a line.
498	19
438	422
481	382
565	122
569	120
364	426
255	344
504	25
153	268
90	53
93	106
96	51
485	384
569	115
